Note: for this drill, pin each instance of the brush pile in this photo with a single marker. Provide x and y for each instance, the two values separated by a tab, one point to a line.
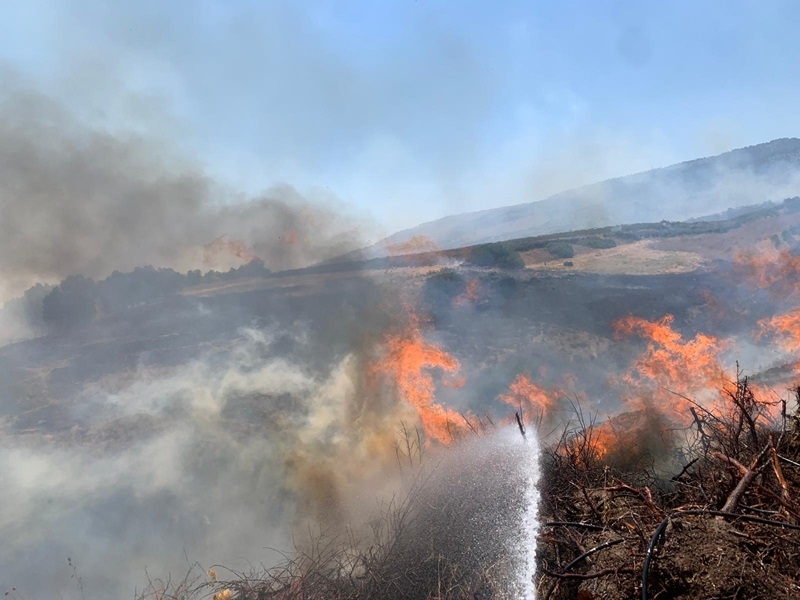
711	510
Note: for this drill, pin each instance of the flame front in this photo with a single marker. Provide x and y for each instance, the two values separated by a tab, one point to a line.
406	363
222	247
534	399
417	244
690	367
772	269
786	327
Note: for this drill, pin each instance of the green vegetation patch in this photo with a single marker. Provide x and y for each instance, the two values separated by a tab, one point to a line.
501	256
599	243
561	249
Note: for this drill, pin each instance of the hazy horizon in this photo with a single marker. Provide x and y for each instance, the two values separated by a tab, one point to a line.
410	112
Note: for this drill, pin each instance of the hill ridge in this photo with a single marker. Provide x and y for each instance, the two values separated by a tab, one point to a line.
681	191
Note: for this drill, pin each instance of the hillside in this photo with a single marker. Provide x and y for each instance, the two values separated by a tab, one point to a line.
678	192
231	412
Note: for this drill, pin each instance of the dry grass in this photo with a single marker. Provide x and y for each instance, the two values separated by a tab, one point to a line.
637	258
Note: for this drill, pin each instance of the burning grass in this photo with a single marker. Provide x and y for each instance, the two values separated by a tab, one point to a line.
690	494
640	506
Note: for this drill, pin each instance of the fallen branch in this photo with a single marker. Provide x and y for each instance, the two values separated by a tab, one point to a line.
595	575
789	461
645	496
748	474
776	466
574	524
684	469
520	425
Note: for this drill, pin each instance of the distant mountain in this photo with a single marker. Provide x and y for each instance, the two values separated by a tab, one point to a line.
687	190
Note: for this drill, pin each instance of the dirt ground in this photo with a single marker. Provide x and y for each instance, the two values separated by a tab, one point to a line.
637	258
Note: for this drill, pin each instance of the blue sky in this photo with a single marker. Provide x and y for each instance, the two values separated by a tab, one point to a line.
408	111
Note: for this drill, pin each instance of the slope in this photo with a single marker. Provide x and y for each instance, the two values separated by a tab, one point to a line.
678	192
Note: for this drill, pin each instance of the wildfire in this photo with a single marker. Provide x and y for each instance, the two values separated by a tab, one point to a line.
470	295
289	238
407	363
776	270
533	399
688	367
786	327
626	437
215	251
418	243
602	439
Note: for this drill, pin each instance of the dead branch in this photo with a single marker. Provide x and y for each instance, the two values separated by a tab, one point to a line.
786	496
584	576
645	496
520	425
748	474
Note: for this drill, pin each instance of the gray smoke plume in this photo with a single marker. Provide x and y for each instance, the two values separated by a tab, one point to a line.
213	461
78	200
130	461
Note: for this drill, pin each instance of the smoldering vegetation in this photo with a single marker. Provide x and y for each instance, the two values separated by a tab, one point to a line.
211	416
700	504
136	456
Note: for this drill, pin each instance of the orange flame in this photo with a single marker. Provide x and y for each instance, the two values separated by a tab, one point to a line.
470	295
624	436
602	439
773	269
689	367
417	244
407	361
222	246
533	399
786	327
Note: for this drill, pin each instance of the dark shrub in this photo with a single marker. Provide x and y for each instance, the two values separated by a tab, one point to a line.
499	256
598	243
440	289
69	304
561	249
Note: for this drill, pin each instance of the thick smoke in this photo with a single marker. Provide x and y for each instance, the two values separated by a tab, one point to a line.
78	200
126	459
213	461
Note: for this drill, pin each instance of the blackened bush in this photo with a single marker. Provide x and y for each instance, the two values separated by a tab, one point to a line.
440	289
599	243
70	304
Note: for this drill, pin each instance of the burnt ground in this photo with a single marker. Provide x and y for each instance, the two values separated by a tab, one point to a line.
552	325
548	324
